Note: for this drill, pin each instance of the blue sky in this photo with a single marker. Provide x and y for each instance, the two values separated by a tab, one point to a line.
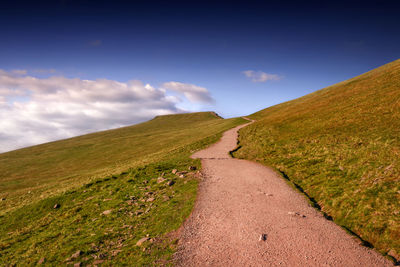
208	44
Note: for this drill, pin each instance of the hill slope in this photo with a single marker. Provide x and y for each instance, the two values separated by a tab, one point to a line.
100	193
341	145
57	166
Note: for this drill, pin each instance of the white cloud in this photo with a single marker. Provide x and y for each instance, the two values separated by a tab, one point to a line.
192	92
34	110
259	76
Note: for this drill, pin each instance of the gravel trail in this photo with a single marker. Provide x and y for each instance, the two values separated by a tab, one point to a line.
246	215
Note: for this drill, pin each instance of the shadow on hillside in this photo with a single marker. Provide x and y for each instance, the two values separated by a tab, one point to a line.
315	204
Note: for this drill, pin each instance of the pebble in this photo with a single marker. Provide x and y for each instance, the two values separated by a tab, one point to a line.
76	254
138	212
106	212
141	241
292	213
116	252
263	237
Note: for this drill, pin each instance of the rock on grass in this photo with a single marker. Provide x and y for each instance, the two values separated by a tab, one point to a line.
106	212
141	241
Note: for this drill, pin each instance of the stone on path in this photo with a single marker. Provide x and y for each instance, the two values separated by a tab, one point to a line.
263	237
292	213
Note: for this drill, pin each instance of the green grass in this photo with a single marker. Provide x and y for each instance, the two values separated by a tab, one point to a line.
36	172
341	145
114	170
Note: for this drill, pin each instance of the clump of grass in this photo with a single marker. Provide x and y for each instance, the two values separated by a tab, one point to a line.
342	146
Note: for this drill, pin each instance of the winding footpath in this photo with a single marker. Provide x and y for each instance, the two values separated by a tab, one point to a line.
246	215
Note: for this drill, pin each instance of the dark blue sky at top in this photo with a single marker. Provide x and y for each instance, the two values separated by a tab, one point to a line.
311	44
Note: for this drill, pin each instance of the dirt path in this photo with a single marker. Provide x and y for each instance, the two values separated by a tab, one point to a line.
239	200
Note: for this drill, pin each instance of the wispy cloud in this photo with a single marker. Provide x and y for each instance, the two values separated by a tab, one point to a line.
36	110
95	43
18	72
44	71
260	76
192	92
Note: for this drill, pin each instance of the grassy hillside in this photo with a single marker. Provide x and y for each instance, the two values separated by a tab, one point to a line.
89	199
33	173
341	145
